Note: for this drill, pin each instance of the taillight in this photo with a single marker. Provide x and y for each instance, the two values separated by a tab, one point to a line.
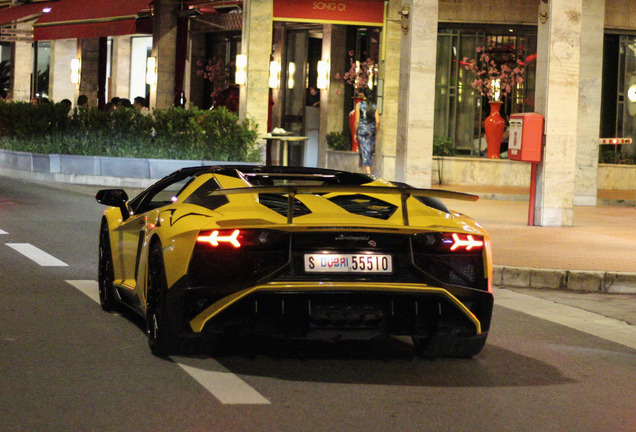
216	237
466	242
239	238
452	242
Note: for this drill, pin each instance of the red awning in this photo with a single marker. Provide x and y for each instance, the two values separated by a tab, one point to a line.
13	13
76	19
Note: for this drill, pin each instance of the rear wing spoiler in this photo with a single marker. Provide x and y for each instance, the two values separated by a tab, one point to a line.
292	190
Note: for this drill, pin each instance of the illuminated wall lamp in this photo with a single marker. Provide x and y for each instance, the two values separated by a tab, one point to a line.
291	71
323	74
151	71
76	70
274	74
240	77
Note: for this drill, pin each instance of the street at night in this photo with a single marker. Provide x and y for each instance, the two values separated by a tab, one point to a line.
65	365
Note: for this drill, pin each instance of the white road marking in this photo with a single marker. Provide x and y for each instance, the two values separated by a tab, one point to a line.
607	328
88	287
227	387
3	232
37	255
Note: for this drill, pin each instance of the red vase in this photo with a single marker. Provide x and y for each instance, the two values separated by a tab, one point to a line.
494	126
352	124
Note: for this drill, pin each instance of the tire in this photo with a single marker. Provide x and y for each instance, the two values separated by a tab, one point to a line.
452	346
162	338
106	275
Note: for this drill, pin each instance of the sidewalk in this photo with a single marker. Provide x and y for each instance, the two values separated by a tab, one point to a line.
596	254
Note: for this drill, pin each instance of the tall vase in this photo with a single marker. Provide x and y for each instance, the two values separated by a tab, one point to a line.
352	124
494	126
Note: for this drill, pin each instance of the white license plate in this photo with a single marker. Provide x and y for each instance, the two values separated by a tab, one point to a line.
348	263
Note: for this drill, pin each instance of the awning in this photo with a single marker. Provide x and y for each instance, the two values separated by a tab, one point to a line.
14	13
76	19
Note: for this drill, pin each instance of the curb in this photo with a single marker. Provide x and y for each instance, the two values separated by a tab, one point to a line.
568	280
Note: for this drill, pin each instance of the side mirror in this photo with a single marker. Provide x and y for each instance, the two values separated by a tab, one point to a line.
114	198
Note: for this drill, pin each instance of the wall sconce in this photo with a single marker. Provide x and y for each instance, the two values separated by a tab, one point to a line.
151	71
76	70
543	11
323	74
240	77
291	70
405	12
274	74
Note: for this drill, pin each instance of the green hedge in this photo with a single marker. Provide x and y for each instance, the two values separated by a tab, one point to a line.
169	134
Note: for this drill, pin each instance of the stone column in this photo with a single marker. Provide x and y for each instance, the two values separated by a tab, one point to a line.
557	98
196	83
588	130
164	44
385	146
22	67
278	42
90	70
416	106
120	67
61	87
334	38
256	44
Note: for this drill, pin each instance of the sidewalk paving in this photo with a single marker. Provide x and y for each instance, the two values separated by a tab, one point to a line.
596	254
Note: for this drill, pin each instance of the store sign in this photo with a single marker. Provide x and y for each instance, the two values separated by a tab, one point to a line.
370	12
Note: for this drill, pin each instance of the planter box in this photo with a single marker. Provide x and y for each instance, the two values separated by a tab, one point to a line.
480	172
80	165
343	160
98	169
124	167
16	160
504	172
41	163
616	177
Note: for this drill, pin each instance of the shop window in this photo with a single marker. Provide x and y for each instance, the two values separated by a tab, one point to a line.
217	70
141	48
618	106
459	109
42	67
5	68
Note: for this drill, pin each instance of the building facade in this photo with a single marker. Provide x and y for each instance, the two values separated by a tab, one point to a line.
579	58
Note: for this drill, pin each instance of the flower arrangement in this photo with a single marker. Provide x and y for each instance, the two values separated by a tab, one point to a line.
213	70
360	74
496	71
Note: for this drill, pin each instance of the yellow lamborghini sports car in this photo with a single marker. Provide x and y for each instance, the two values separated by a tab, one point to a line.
295	253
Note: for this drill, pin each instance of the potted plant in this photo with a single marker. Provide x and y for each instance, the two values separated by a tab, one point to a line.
338	141
497	72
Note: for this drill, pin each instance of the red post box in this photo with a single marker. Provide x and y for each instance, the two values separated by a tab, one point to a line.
525	144
526	136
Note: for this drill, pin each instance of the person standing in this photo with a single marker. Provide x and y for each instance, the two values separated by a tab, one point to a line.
367	123
140	105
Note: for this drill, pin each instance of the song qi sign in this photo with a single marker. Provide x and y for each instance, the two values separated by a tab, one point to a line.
365	12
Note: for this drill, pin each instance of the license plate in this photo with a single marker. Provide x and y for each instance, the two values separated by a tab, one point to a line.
348	263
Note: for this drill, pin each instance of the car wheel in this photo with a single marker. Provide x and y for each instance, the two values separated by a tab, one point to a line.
159	328
105	277
454	346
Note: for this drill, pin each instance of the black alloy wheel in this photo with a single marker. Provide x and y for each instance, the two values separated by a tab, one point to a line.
161	336
105	277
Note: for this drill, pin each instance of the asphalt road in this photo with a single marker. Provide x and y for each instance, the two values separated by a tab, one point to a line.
65	365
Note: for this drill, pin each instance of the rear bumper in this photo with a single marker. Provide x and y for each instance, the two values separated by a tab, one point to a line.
302	308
